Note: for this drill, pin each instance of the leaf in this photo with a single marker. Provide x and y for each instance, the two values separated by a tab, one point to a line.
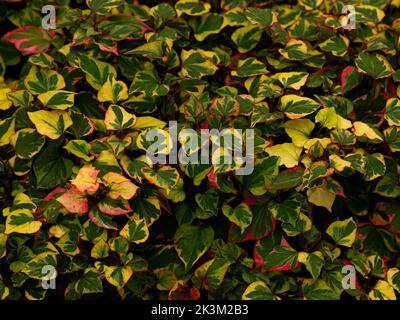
258	290
343	232
81	125
249	67
100	250
89	282
195	65
296	107
328	118
5	101
288	154
369	14
207	24
34	268
57	99
318	290
74	201
374	65
211	274
246	38
265	169
135	231
50	168
97	72
51	124
118	119
40	80
7	130
382	291
263	17
392	112
146	81
314	261
118	276
299	130
294	80
191	242
350	79
21	221
321	196
79	148
69	244
30	39
192	7
86	179
119	186
241	215
375	166
337	45
208	201
102	7
102	220
392	137
362	129
393	277
165	177
114	207
112	91
27	143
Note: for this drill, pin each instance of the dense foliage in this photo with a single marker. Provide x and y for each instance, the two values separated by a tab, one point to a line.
78	192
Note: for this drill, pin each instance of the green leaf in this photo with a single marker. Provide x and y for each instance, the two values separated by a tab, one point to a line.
241	215
196	64
207	24
79	148
295	106
50	168
249	67
375	166
392	112
258	290
97	72
192	7
246	38
40	81
135	231
374	65
343	232
89	282
191	242
57	99
314	261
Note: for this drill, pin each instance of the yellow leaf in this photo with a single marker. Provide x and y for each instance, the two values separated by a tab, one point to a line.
51	124
299	130
321	197
288	153
362	129
86	179
119	186
113	91
382	291
5	103
22	221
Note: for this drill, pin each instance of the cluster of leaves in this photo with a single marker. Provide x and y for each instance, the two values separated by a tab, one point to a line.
78	192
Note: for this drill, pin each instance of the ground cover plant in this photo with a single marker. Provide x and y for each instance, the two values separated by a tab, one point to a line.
81	202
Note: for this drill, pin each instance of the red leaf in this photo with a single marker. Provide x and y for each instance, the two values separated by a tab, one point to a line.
30	39
74	201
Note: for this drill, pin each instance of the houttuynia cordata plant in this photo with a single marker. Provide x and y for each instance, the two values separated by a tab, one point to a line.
199	149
